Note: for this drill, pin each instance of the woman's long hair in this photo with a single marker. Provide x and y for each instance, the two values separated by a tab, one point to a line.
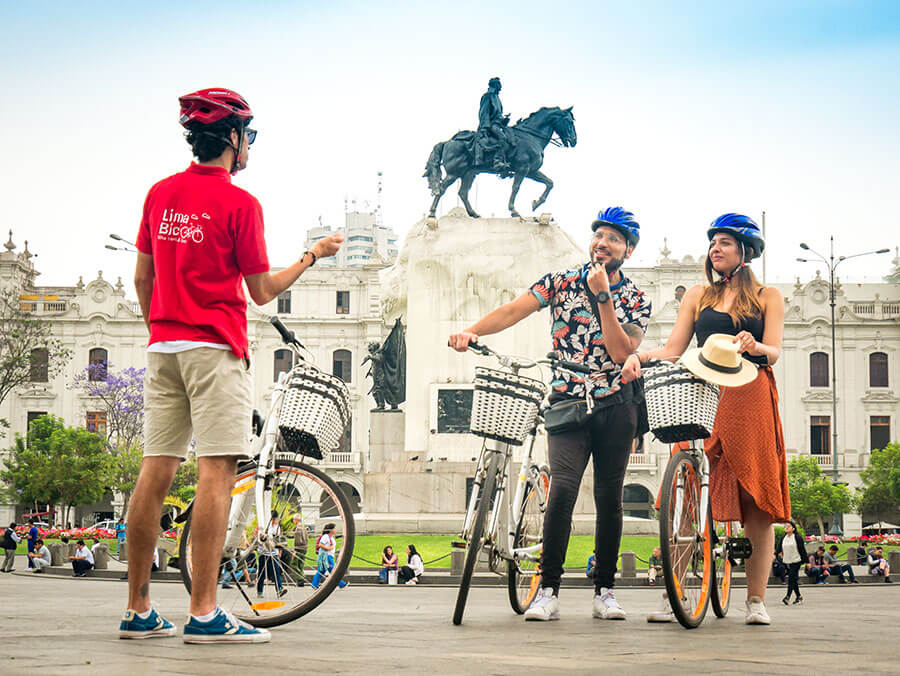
746	303
384	552
412	553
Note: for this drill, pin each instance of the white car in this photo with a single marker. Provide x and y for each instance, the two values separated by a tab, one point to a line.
109	524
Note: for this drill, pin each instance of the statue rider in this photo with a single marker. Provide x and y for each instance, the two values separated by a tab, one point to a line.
492	124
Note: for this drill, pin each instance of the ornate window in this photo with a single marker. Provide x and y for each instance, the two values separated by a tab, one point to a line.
343	303
819	434
95	421
818	369
284	303
879	431
284	362
32	416
97	362
878	369
341	366
40	359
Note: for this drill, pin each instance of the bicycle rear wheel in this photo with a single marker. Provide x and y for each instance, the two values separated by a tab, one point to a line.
524	570
476	533
286	591
686	550
721	589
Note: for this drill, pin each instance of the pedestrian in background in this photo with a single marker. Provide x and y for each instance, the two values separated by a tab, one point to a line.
32	539
793	553
40	557
388	563
82	560
11	540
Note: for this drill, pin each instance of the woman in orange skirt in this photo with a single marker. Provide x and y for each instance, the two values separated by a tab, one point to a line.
748	470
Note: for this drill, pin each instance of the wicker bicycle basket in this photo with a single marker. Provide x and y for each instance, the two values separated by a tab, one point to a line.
680	406
505	406
314	413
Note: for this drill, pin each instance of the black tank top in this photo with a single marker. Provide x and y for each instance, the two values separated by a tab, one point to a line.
712	321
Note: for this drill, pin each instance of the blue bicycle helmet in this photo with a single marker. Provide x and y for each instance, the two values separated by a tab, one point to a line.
742	228
621	220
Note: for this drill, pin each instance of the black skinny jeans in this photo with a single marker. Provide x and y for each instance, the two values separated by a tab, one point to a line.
793	579
607	439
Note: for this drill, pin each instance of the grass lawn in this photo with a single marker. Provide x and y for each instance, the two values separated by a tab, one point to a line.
433	547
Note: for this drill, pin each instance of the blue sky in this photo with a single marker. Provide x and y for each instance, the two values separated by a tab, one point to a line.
683	111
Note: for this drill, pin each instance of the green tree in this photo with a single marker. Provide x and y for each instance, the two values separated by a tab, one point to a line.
184	485
880	494
813	496
56	463
121	396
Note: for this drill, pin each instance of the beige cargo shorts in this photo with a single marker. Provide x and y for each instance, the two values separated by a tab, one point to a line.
204	393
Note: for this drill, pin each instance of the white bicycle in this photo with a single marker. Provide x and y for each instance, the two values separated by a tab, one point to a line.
506	412
266	575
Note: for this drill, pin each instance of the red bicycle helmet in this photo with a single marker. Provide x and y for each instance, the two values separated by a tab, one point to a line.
211	105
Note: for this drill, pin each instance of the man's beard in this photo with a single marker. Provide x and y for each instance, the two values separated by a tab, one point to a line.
612	265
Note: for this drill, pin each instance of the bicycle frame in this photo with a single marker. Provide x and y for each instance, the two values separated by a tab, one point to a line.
503	547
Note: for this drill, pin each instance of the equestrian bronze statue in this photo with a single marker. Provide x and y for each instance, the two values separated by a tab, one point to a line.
515	152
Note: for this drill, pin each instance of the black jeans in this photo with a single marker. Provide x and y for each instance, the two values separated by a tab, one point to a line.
607	439
81	566
841	568
793	579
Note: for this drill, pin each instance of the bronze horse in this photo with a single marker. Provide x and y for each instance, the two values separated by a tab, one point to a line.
532	135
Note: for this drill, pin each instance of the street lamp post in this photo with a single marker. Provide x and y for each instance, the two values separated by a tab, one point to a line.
832	266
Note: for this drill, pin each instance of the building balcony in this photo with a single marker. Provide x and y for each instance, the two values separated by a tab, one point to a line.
346	460
823	461
642	461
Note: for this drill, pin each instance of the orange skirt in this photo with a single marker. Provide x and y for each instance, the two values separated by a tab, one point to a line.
746	451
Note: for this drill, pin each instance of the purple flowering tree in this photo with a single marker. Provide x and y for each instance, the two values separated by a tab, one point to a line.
120	394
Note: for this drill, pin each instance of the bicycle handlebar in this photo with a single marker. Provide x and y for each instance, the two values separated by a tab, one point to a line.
551	359
567	365
286	334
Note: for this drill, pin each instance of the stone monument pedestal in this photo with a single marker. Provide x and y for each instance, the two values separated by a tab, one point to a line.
386	432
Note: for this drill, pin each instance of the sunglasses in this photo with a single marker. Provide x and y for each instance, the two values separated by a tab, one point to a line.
251	135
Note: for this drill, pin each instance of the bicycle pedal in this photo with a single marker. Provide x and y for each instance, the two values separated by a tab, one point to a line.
739	548
458	544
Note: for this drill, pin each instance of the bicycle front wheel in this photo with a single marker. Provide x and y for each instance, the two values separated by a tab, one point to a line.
524	570
271	587
684	542
476	533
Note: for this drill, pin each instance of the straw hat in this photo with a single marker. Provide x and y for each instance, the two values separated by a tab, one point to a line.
718	362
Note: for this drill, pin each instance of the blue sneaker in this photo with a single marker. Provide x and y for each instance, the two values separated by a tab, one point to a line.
155	626
223	628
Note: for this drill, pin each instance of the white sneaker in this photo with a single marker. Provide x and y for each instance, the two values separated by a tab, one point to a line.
544	607
756	612
663	613
606	607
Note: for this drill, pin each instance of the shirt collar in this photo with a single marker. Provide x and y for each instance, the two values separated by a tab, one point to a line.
205	170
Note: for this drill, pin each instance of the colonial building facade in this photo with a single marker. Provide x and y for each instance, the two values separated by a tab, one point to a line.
335	312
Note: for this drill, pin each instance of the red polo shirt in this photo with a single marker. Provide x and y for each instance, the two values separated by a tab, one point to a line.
205	235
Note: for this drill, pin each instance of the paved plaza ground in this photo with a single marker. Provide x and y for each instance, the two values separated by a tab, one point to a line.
54	625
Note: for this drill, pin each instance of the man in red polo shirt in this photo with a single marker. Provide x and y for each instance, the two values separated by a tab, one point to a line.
200	238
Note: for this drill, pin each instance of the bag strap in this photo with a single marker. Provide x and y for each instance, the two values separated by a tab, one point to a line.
594	307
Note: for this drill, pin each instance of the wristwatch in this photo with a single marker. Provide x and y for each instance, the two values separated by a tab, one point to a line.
602	297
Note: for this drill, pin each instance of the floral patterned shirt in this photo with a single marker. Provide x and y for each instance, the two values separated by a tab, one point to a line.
576	332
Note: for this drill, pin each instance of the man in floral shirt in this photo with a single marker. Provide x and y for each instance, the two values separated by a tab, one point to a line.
601	339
